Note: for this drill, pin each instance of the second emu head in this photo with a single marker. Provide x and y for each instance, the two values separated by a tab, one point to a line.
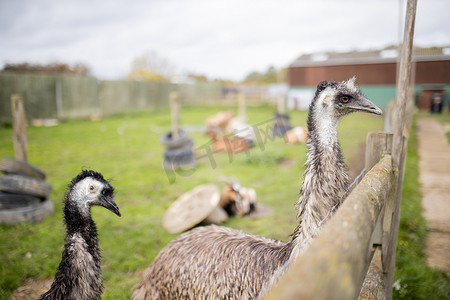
89	188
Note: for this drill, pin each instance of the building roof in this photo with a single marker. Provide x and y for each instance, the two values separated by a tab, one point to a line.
386	55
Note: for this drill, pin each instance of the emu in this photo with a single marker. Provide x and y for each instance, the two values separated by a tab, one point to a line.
215	262
78	276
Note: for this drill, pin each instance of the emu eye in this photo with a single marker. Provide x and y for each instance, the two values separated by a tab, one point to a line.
345	99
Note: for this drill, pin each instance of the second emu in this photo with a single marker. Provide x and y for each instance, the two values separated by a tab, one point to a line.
78	276
215	262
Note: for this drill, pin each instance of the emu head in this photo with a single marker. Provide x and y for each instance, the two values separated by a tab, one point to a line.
337	99
90	188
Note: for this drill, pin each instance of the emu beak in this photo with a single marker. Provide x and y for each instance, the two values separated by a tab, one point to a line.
109	203
364	104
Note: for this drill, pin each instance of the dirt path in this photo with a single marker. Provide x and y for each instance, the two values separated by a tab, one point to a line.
434	166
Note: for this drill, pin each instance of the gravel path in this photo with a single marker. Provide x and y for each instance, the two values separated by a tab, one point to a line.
434	166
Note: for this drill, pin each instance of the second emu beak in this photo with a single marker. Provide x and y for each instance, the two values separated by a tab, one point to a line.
109	203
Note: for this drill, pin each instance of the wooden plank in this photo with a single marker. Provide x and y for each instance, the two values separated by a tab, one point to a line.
398	145
20	127
334	264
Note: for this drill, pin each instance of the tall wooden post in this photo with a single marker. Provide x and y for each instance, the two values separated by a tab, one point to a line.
398	153
281	105
175	111
373	287
20	127
242	107
59	102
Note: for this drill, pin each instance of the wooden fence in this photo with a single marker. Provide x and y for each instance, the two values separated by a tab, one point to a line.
71	96
354	254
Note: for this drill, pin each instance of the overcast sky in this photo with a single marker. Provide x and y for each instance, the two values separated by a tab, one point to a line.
219	39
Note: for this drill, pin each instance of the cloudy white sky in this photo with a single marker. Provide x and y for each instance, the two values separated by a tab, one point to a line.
220	39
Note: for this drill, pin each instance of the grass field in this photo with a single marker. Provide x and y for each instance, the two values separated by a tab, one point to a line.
127	149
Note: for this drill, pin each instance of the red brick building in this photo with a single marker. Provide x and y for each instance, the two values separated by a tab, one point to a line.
375	71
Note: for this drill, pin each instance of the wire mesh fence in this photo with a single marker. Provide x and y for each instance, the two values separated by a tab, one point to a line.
71	96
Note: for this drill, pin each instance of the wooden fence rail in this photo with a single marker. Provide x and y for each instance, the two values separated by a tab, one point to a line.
336	263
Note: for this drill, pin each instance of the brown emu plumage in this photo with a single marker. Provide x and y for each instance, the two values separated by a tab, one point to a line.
78	276
215	262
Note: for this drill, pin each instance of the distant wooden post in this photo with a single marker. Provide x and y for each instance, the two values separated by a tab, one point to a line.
242	107
20	127
281	105
398	143
58	92
175	110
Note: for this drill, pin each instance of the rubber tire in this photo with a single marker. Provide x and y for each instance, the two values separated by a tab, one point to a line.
25	185
179	155
10	165
12	201
170	143
179	158
30	214
281	125
284	117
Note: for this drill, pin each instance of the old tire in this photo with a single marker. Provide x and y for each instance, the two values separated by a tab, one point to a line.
169	142
10	165
12	201
179	155
31	214
179	158
281	124
25	185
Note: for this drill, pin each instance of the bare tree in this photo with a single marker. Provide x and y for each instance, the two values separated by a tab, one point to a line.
151	66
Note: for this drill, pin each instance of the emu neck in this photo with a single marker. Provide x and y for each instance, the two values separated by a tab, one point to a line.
326	178
78	275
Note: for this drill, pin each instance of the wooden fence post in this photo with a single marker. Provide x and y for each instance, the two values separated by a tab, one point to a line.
58	93
398	151
281	104
373	287
175	110
242	107
377	144
20	127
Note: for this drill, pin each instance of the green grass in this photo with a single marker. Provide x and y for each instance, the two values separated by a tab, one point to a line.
127	149
415	280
